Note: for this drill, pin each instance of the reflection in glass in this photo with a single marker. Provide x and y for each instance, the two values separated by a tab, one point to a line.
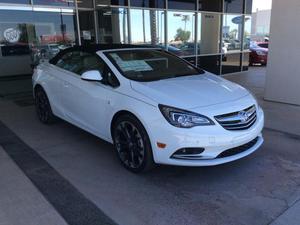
67	3
182	4
232	32
16	1
231	63
113	25
181	32
111	2
209	33
148	3
147	27
248	6
87	27
28	36
234	6
247	32
210	5
85	3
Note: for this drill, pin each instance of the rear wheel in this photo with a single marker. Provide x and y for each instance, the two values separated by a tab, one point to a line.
43	107
132	144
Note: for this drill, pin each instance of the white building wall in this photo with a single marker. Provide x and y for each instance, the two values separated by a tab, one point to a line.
283	71
260	23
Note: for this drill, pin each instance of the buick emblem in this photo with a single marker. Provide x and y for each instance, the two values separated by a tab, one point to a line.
12	35
244	116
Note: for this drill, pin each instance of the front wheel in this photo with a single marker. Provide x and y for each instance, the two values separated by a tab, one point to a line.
132	144
43	107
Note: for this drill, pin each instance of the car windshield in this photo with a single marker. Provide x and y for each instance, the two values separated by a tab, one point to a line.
150	64
263	45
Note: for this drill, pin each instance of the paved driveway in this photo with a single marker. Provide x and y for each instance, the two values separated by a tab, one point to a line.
254	190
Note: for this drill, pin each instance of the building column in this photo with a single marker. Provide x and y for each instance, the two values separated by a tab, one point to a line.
283	71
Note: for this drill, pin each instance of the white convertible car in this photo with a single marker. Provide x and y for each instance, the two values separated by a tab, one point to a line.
152	105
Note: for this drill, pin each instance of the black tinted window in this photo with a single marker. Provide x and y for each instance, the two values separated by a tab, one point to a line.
210	5
182	4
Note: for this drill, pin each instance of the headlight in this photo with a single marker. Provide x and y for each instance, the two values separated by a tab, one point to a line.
260	53
183	118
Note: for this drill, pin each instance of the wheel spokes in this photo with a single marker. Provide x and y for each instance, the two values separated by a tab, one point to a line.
129	144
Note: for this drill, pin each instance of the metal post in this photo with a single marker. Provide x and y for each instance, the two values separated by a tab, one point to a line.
221	41
166	26
196	37
129	22
77	21
96	24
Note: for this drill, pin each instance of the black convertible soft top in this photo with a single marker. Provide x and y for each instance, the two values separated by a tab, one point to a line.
94	48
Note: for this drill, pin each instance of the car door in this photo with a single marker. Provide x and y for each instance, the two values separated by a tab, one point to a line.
86	103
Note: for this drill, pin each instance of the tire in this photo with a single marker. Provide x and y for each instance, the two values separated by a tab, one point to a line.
132	144
42	106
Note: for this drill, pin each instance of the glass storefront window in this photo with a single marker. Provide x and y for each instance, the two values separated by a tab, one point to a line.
232	32
148	3
210	63
245	63
147	27
87	27
28	36
181	32
65	3
182	4
210	5
231	63
85	3
111	2
248	6
234	6
209	33
16	1
113	25
247	32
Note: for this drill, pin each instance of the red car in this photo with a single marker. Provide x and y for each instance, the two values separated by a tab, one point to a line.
259	53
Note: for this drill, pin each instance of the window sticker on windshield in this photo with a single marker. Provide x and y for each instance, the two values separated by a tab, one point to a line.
134	65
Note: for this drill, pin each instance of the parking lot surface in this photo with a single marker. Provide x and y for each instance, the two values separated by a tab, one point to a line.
263	188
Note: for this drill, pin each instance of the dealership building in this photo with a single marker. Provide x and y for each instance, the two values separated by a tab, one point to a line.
212	34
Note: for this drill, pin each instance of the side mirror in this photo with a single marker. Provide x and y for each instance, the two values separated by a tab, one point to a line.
92	75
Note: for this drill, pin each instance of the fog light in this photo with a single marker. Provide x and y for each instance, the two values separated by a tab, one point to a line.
189	151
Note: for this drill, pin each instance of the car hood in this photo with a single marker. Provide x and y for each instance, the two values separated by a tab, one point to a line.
190	91
260	49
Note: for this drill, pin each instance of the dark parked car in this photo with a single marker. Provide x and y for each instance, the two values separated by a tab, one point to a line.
258	53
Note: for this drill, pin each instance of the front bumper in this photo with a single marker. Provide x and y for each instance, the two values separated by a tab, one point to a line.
214	139
260	59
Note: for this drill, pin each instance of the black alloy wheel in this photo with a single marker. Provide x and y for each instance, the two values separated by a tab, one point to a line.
43	107
132	144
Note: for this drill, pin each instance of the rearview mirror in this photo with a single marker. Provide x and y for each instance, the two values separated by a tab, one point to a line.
92	75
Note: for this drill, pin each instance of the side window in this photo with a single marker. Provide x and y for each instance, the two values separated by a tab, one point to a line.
94	62
71	61
79	62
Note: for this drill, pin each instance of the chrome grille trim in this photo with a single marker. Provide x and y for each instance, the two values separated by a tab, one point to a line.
240	120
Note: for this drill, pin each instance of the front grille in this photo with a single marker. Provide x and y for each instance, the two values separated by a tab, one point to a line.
237	150
240	120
